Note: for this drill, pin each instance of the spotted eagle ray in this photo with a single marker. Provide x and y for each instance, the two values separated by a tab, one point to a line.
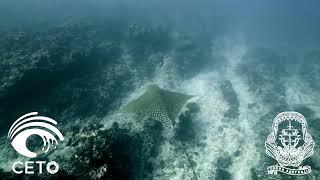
162	105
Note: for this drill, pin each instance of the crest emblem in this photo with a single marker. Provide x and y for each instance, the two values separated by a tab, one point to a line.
289	143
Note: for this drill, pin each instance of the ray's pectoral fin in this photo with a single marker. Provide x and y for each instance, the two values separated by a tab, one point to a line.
159	104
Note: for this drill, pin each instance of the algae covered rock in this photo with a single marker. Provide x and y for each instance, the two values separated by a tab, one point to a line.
53	70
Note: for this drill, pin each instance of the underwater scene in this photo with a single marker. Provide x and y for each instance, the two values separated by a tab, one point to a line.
163	90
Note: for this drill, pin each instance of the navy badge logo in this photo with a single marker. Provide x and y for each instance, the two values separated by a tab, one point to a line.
289	143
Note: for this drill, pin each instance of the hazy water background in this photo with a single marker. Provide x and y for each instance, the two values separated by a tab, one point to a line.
284	22
247	61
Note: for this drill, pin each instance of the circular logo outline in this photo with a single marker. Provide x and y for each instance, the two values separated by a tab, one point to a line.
32	124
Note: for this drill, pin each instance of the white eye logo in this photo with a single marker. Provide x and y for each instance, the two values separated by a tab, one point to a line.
39	125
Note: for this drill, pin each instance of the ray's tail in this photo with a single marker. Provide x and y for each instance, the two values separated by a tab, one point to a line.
186	153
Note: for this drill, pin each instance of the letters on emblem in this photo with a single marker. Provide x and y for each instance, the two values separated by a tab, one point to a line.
289	143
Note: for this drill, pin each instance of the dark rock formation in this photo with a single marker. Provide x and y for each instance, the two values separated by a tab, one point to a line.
262	69
74	69
231	98
310	69
186	129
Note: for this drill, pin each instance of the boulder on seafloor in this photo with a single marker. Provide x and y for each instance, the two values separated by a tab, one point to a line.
231	98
